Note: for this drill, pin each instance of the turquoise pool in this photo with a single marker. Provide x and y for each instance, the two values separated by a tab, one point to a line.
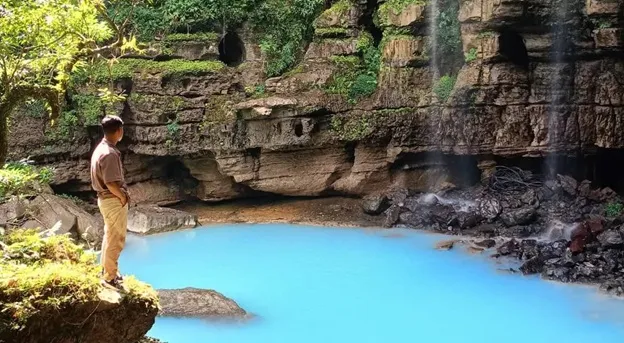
328	285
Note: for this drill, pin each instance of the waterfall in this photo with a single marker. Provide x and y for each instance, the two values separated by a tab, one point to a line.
557	87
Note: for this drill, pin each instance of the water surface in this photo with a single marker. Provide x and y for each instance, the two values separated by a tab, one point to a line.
326	285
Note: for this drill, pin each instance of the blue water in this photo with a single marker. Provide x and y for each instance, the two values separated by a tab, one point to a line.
310	284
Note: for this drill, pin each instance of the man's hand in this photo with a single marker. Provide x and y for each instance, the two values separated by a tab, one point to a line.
114	188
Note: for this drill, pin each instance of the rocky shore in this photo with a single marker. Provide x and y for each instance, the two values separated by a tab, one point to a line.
563	229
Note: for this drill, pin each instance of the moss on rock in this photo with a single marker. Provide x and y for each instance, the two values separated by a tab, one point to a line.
50	290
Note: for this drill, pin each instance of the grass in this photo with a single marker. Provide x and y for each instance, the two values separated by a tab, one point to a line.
39	276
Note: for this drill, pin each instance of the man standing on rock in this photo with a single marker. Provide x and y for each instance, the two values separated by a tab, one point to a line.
107	180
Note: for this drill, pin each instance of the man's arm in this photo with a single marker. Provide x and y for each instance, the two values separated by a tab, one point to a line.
114	188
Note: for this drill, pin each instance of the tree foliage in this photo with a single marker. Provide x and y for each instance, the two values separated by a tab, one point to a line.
285	26
44	41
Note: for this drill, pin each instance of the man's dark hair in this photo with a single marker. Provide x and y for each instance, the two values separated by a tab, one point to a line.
110	124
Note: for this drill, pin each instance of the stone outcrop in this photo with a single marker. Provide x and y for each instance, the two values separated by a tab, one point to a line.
48	211
199	303
231	133
147	219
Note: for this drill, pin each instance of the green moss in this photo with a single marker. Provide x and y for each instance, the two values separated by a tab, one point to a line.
39	276
487	34
394	7
444	87
365	41
193	37
331	32
338	10
296	70
218	110
352	128
126	68
471	56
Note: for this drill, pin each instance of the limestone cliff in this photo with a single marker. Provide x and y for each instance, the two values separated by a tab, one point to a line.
528	78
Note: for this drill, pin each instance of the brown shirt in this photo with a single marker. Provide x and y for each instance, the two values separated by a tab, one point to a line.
106	168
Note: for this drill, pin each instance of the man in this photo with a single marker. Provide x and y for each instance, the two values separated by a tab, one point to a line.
107	180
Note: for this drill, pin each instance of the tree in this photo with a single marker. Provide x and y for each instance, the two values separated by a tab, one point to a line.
43	41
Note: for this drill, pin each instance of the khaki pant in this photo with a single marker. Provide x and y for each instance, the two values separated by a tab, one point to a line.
115	227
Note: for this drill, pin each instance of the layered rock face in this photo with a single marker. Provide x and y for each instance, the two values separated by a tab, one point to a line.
533	77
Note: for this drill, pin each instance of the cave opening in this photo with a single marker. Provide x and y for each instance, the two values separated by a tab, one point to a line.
512	47
231	50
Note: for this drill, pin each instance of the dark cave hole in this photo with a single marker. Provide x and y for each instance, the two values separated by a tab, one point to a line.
511	46
367	21
231	50
298	129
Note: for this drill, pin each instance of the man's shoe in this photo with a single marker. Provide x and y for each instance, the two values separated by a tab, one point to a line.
116	283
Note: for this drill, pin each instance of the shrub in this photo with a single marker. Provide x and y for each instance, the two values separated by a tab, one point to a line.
19	178
444	87
614	209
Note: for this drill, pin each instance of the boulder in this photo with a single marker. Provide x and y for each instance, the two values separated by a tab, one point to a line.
521	216
486	243
490	208
11	210
375	204
611	239
147	219
201	303
46	210
392	216
568	184
510	247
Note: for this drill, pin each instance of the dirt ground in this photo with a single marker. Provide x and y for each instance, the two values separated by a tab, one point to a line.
331	211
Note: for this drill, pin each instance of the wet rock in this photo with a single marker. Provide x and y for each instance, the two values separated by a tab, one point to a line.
392	216
200	303
466	220
584	188
148	219
568	184
521	216
611	239
557	273
446	245
398	197
530	198
490	208
510	247
375	204
486	243
554	186
532	266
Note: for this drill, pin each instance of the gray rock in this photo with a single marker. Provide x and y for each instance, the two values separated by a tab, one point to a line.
521	216
568	184
153	219
392	216
202	303
490	208
47	210
611	239
374	204
11	210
